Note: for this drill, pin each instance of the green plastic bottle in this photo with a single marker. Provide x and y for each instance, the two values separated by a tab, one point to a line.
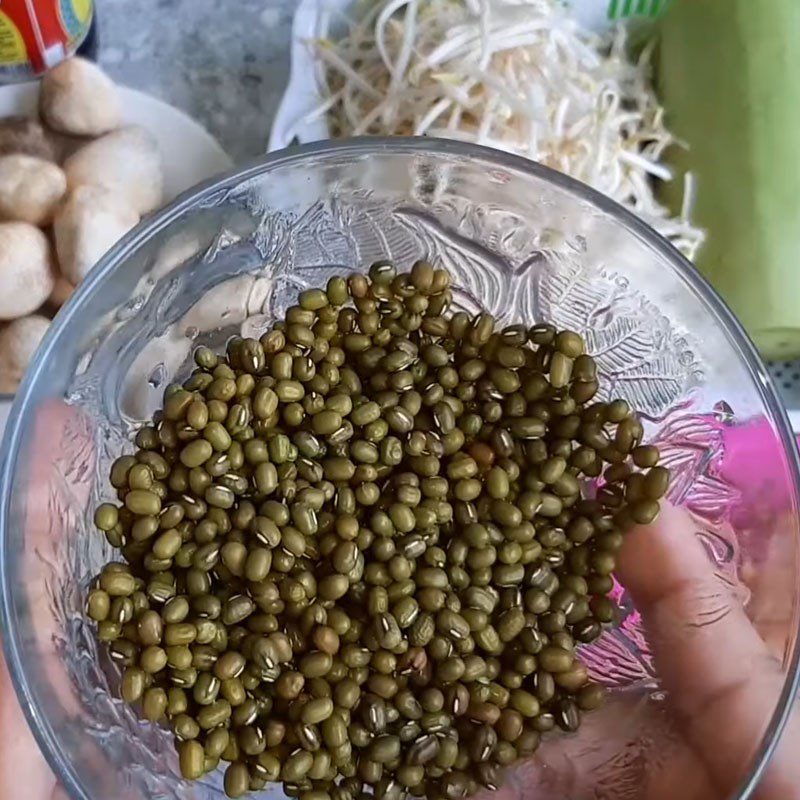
599	15
729	78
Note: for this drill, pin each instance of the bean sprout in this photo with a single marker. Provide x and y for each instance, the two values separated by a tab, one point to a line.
518	75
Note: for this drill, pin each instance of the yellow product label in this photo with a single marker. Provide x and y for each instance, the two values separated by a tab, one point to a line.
83	10
76	16
12	46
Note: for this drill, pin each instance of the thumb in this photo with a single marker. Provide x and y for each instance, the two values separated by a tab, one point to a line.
722	681
21	762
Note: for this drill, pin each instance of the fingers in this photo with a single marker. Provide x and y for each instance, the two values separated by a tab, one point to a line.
606	758
58	474
61	472
771	576
723	683
21	763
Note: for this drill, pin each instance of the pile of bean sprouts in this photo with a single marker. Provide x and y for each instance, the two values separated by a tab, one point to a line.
517	75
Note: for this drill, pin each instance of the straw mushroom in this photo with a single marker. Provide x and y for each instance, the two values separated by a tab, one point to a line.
78	98
27	136
26	269
126	162
86	226
30	188
18	342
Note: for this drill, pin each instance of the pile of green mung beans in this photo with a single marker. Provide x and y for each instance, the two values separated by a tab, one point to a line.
360	552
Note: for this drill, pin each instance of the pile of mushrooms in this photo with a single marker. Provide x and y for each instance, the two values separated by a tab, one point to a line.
72	183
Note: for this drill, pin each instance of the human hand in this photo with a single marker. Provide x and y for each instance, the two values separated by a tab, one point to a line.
21	763
61	438
723	684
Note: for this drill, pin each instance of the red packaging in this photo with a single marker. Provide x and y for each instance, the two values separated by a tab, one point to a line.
35	35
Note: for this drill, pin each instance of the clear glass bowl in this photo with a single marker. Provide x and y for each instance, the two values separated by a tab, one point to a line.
524	243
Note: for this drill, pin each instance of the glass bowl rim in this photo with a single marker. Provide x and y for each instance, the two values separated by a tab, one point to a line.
43	733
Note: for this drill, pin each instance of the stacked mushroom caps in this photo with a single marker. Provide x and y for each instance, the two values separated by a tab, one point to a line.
72	183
